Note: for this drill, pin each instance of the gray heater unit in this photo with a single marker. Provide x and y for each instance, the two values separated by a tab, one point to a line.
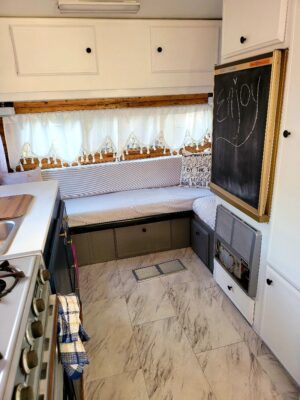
237	249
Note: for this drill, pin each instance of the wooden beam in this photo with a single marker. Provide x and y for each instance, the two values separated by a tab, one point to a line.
24	107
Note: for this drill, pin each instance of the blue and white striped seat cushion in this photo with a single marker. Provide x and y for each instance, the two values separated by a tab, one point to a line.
92	180
132	204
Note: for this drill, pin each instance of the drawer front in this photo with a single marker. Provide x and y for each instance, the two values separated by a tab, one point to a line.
102	246
200	241
142	239
180	229
239	298
81	242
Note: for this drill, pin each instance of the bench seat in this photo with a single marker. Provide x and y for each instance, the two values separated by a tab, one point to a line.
131	204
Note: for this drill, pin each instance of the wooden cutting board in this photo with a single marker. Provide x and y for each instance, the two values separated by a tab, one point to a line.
14	206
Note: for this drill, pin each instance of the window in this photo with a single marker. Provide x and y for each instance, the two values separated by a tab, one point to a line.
57	139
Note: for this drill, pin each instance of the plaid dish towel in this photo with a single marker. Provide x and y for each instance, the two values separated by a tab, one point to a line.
70	335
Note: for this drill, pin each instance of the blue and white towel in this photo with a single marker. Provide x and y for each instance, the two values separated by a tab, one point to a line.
70	335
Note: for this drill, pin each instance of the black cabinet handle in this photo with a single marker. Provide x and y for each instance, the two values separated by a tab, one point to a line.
229	287
286	133
159	49
144	230
243	39
88	50
269	282
197	233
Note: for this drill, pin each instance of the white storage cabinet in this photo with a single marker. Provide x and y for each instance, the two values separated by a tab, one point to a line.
250	25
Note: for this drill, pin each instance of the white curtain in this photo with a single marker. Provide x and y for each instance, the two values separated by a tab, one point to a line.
69	135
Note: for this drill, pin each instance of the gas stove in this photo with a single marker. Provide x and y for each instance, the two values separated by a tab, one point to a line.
27	339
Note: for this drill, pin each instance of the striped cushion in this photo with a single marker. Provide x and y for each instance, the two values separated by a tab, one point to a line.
91	180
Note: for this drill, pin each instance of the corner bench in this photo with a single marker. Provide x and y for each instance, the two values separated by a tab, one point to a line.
119	210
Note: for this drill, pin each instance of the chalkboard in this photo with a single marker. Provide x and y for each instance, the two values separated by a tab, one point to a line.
241	122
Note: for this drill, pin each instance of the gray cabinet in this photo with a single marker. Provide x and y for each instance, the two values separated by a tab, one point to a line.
95	247
128	241
143	239
202	241
180	233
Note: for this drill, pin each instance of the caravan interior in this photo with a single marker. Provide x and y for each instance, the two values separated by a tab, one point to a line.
149	200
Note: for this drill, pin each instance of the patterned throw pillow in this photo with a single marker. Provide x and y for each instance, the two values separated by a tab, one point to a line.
195	170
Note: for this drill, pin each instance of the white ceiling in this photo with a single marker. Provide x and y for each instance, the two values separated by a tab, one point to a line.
149	9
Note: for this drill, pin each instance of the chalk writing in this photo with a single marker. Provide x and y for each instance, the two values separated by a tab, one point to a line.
235	103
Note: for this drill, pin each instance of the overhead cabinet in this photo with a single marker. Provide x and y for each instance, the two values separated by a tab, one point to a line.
184	49
54	49
43	58
251	25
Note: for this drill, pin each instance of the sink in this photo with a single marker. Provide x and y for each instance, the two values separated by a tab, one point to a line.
8	229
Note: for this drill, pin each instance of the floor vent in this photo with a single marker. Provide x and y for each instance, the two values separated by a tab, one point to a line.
153	271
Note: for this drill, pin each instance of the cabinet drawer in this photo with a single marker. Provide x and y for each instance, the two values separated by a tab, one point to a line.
239	298
142	239
281	321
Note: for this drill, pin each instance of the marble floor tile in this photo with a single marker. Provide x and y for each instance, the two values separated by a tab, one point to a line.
202	318
111	349
154	258
148	301
169	365
195	271
245	330
281	380
127	386
234	374
100	281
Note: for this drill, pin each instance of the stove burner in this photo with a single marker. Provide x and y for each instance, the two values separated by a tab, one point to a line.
9	277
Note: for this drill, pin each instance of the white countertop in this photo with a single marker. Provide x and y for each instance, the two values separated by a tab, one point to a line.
32	234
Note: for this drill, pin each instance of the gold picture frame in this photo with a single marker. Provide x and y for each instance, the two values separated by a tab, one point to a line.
278	60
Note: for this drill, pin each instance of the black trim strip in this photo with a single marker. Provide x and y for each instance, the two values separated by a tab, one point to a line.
129	222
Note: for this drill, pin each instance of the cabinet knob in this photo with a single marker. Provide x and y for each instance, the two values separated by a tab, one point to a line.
243	39
229	287
269	282
159	49
144	230
286	133
197	233
88	50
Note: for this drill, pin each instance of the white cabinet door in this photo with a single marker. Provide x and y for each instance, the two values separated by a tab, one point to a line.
54	49
239	298
184	48
281	322
250	25
285	217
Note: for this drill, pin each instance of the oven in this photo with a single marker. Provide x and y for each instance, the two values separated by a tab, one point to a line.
29	362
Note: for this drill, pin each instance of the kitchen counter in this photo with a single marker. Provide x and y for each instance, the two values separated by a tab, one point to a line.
32	233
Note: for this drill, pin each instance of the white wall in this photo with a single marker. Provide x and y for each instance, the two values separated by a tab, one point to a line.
149	9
